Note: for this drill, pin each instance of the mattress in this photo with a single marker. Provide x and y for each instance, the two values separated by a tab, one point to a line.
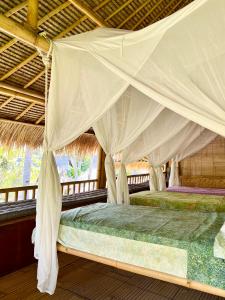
197	190
174	200
171	241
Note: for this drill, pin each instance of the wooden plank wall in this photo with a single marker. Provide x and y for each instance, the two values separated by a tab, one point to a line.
205	168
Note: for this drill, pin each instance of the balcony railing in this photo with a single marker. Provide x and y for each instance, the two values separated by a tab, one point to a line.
22	193
136	179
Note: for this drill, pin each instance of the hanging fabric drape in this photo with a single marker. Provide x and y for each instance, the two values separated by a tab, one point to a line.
174	179
122	186
157	182
121	125
160	130
177	66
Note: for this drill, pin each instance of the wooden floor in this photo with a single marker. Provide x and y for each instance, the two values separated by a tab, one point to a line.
80	279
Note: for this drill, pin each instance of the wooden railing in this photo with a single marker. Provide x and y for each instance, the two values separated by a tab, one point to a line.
29	192
136	179
22	193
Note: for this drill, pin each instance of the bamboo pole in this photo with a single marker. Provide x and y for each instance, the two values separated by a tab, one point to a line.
18	31
16	9
144	271
22	91
24	111
32	13
90	13
19	66
21	96
6	102
40	119
34	79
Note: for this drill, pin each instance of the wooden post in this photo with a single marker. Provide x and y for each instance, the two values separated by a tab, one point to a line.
101	169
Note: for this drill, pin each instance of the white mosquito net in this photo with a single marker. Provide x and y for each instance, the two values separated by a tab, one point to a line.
123	84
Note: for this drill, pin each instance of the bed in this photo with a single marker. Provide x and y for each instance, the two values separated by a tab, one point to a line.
172	245
175	200
197	190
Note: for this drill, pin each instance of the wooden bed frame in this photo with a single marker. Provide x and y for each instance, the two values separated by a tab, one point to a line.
143	271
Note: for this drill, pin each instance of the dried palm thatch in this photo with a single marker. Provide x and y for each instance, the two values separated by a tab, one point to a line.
21	68
20	135
138	165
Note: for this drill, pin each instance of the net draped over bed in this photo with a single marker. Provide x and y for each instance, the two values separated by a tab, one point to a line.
139	91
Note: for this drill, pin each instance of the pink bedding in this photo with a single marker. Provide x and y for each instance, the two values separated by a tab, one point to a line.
196	190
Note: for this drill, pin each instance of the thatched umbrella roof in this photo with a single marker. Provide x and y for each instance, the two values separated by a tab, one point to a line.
21	68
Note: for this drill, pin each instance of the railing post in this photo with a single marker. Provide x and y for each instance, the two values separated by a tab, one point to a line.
101	183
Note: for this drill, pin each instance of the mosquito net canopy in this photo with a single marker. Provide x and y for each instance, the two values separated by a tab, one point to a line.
129	86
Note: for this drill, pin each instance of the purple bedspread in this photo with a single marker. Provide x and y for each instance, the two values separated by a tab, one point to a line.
196	190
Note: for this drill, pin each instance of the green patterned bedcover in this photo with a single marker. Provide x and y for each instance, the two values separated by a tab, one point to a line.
174	200
193	231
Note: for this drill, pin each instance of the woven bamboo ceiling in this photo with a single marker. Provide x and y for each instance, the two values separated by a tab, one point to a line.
21	67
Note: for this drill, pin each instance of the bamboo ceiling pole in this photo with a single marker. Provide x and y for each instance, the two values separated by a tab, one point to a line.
22	91
90	13
32	13
23	34
21	96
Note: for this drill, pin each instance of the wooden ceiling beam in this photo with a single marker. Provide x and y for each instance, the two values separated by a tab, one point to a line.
89	12
32	13
23	34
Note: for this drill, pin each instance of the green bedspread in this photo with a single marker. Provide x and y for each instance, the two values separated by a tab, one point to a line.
174	200
193	231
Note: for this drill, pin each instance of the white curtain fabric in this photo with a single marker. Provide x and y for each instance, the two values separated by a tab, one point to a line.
119	127
157	182
178	62
160	130
174	179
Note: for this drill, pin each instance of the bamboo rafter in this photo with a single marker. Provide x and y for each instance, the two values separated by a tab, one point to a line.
87	11
21	96
6	102
40	119
24	111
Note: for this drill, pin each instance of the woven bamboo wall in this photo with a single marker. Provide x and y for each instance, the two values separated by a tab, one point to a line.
207	167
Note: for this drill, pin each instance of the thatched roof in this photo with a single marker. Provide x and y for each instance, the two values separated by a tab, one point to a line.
21	68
